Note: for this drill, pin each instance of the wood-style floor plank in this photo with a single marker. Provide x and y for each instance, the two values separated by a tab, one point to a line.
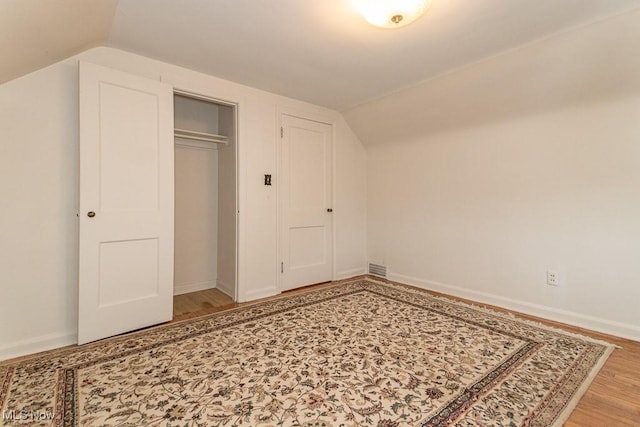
195	304
613	399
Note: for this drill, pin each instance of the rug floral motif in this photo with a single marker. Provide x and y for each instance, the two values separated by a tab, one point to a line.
359	353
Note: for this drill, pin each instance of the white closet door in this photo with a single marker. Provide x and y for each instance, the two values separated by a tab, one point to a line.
126	203
306	219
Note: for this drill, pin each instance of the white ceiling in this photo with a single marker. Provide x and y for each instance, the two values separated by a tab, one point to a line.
317	51
577	69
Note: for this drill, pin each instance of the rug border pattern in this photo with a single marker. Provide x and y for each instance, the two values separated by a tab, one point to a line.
553	409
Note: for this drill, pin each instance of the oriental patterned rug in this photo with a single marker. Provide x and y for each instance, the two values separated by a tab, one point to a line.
358	353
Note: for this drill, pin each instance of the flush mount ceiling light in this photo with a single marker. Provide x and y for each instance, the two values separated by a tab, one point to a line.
390	13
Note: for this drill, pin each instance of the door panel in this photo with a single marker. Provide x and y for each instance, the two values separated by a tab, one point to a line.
129	271
307	247
126	183
305	197
128	159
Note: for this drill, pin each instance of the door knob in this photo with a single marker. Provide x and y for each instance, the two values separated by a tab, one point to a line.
91	214
329	210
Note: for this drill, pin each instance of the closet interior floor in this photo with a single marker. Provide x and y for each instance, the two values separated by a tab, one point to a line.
194	304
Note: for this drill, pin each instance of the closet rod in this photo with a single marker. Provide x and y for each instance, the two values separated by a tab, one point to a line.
200	136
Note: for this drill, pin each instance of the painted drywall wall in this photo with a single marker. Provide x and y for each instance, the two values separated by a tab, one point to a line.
39	190
350	202
483	210
196	219
227	226
38	224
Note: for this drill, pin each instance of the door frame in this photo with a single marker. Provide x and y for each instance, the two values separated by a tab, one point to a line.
228	94
314	117
202	95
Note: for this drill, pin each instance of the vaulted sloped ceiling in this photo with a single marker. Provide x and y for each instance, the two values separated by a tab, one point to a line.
587	66
325	53
317	51
37	33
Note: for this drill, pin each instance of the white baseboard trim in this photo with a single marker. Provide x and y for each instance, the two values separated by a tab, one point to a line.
193	287
347	274
597	324
37	344
260	293
226	289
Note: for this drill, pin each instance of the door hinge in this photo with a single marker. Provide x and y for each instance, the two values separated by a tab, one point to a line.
281	132
281	267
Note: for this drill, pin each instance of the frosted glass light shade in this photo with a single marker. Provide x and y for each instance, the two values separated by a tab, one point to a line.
390	13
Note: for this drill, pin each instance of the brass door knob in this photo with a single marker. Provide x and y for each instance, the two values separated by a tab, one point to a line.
91	214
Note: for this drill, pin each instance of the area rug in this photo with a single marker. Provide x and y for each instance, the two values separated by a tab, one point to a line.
358	353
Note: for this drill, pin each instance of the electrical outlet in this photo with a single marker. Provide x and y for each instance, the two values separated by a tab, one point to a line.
553	278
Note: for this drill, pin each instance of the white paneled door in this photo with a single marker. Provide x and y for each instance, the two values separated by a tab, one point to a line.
306	202
126	203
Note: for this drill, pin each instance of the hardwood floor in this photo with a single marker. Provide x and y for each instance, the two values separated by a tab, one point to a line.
613	399
195	304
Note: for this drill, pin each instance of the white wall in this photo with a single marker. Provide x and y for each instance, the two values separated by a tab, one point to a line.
480	199
227	227
38	197
38	189
196	219
350	203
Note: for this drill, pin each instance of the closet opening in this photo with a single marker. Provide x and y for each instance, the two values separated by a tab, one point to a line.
206	204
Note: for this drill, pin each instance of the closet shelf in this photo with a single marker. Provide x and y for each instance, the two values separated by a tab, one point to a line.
201	136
